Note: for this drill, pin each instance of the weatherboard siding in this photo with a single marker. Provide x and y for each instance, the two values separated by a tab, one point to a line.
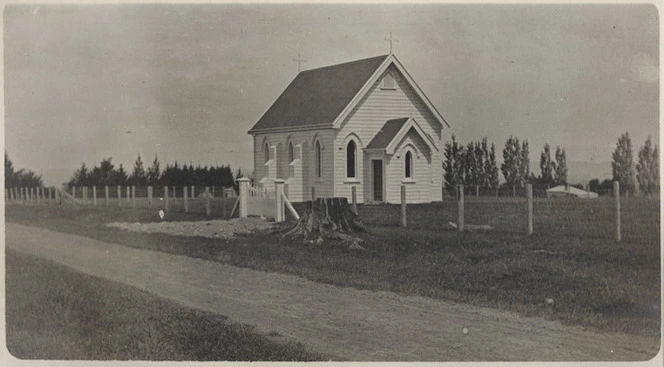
324	187
372	112
418	189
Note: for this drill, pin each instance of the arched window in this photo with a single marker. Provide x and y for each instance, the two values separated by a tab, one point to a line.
290	152
351	158
318	162
266	150
408	162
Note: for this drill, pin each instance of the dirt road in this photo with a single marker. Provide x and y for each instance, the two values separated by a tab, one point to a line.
342	323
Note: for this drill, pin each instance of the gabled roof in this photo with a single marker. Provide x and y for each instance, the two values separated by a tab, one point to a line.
391	134
387	133
325	96
318	96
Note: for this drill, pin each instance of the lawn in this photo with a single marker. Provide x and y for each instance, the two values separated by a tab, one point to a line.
571	259
55	313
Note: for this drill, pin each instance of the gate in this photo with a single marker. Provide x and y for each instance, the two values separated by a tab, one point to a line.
262	202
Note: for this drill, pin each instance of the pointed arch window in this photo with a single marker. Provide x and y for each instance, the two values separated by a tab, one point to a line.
291	156
408	165
266	151
319	160
351	159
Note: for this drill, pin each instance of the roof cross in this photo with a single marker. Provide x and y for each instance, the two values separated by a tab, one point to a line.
391	40
299	61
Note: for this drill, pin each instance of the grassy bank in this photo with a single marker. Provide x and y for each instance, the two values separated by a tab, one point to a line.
571	259
55	313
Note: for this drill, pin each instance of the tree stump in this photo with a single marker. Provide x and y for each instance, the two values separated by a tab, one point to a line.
327	219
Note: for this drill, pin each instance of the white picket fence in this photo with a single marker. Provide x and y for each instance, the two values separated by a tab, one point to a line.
270	202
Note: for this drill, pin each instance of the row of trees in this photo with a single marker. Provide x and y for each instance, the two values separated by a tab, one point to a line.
21	177
473	165
173	175
647	168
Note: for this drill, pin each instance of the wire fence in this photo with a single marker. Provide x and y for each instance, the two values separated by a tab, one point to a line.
570	213
214	201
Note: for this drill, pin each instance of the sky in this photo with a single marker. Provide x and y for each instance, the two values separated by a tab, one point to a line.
186	82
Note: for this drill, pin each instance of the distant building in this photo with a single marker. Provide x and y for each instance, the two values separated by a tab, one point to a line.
364	123
570	191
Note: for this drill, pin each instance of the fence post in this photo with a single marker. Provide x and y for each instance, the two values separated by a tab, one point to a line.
165	198
616	194
529	195
106	194
186	201
404	221
128	192
149	195
279	199
207	201
460	208
94	195
73	192
51	196
243	182
119	195
133	196
354	197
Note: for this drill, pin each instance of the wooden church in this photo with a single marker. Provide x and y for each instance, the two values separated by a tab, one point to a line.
364	123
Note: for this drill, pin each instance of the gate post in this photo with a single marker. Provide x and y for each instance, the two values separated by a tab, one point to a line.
244	193
279	199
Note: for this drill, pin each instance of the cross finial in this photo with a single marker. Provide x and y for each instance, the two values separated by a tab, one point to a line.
299	61
391	40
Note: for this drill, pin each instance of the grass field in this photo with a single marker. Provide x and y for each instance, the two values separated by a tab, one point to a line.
572	258
55	313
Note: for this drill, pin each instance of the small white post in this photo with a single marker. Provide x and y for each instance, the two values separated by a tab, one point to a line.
165	198
133	196
529	194
186	201
404	220
460	208
94	195
244	193
616	194
128	194
119	195
207	201
106	194
279	199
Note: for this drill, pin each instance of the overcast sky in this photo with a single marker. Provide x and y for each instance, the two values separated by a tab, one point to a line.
186	82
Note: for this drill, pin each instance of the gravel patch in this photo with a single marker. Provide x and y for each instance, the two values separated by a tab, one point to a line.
211	228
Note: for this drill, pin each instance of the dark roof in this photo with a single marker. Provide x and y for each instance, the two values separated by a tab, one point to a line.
387	133
318	96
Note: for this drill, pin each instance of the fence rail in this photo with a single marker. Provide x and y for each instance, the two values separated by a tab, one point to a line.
197	199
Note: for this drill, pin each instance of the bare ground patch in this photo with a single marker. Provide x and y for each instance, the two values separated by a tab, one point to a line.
211	228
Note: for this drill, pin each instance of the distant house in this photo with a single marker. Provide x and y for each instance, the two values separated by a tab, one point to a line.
570	191
364	123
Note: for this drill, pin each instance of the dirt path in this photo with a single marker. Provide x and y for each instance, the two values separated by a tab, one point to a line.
343	323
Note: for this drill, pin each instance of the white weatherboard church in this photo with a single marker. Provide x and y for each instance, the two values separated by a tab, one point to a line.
364	123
